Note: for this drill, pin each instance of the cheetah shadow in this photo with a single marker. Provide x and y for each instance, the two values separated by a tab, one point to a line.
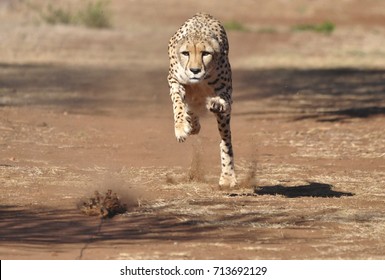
312	189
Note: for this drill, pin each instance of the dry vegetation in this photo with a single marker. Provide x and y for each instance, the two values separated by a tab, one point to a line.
85	110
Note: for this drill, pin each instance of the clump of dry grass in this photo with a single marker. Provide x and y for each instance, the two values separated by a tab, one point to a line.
104	206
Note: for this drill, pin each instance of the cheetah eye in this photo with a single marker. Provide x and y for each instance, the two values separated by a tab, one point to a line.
204	53
185	53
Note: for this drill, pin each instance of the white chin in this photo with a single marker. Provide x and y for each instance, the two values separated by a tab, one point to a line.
194	80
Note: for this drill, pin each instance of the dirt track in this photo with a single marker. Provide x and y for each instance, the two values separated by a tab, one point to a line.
84	110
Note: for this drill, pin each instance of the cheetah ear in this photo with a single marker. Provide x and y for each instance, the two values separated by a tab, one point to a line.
215	44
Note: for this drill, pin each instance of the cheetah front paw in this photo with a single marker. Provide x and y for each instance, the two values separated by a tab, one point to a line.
217	105
182	131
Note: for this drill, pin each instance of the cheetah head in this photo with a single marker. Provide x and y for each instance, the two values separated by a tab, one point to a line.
197	57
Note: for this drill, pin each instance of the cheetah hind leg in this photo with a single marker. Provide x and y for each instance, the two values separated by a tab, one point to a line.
228	178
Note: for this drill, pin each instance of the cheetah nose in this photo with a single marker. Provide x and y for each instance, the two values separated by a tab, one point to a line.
195	70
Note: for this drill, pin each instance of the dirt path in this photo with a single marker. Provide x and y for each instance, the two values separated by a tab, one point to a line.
308	137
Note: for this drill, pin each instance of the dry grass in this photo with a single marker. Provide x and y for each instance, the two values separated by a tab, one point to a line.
104	206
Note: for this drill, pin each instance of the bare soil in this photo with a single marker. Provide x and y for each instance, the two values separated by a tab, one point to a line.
85	110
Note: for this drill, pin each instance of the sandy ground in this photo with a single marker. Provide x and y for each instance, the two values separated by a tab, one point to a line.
84	110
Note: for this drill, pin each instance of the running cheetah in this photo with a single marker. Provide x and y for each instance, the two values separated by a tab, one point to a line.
200	78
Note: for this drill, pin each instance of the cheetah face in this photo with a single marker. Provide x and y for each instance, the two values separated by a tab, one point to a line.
197	58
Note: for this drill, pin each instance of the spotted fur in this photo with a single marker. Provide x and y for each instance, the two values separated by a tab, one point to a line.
200	79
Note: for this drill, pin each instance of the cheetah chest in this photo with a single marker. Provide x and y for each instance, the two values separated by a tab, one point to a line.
196	96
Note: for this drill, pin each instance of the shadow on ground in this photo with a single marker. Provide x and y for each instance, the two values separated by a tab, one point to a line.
33	227
320	94
312	190
81	89
344	114
66	226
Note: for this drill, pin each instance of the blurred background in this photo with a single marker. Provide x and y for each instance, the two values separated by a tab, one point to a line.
88	48
276	33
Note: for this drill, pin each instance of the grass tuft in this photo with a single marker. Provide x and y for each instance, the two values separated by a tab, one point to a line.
267	30
93	15
57	16
326	27
234	26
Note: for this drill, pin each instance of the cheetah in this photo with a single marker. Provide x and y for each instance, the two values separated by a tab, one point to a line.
200	79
